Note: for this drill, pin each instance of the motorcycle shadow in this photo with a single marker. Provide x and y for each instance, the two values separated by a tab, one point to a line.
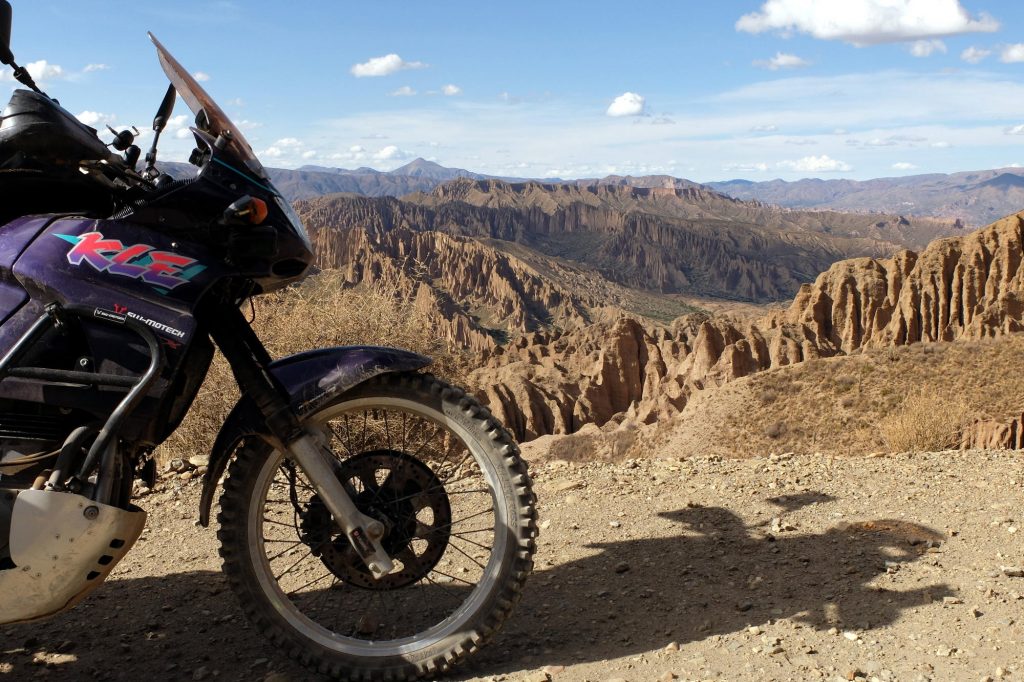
713	575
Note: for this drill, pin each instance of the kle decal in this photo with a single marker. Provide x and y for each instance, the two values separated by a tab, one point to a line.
164	270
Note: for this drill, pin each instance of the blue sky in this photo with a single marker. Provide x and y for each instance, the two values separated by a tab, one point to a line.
708	91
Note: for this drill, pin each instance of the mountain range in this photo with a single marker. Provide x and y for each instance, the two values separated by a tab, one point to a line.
974	197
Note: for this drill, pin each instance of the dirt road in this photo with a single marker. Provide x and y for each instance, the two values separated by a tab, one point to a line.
781	568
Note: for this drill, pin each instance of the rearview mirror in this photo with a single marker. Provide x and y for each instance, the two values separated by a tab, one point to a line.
6	56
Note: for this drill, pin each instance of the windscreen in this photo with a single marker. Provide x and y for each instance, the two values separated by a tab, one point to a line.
203	106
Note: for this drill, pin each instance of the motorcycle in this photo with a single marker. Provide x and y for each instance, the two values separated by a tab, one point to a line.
375	522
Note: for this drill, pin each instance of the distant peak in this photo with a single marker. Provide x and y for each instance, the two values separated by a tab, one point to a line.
419	163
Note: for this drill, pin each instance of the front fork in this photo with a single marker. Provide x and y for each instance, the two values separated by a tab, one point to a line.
364	532
249	362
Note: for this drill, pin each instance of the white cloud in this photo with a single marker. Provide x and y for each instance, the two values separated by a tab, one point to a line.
866	22
40	71
1012	53
89	68
903	165
404	91
95	119
391	153
781	60
815	164
768	128
357	149
43	70
1016	130
626	104
177	126
309	154
745	167
285	147
974	55
941	144
383	66
451	90
201	76
925	48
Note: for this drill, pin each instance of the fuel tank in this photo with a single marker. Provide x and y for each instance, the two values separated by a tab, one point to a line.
117	267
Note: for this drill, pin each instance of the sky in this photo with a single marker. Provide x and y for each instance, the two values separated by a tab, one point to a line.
703	90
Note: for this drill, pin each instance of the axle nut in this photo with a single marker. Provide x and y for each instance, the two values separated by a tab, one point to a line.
91	512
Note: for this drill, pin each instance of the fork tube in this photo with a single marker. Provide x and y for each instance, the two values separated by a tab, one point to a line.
249	361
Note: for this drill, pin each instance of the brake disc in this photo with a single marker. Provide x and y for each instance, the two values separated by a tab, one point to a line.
406	496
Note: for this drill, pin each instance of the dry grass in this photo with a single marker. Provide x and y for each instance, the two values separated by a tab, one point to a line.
850	405
319	313
925	422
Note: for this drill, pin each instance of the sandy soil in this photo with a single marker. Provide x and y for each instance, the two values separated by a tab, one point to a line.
778	568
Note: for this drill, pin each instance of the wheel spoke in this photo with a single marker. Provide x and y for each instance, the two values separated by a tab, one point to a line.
458	536
328	574
453	577
285	550
463	553
290	568
278	523
340	440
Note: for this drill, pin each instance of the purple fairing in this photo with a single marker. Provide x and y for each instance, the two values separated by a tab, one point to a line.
112	265
119	267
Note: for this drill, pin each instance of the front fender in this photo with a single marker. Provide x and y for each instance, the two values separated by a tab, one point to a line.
312	379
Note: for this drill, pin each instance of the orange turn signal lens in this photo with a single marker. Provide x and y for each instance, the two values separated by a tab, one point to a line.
257	211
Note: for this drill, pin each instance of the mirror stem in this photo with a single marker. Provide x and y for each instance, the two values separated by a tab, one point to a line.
163	115
22	75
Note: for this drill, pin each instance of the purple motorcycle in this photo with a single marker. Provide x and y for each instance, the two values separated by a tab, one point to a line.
375	522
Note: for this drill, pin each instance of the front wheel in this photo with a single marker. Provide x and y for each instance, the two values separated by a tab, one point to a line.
447	482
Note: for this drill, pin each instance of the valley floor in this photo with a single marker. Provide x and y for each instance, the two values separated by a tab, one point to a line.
781	568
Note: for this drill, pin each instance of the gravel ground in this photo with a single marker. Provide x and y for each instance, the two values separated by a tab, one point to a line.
904	567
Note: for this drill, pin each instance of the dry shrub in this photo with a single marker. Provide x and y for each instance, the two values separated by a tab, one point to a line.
845	383
320	312
775	430
925	422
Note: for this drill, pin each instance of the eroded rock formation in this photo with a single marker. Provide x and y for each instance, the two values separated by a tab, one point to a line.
665	239
966	287
475	290
960	287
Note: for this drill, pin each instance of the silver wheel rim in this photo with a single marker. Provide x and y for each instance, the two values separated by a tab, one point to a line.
457	621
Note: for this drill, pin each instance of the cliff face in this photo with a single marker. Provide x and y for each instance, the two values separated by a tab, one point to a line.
474	291
620	369
670	240
968	287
